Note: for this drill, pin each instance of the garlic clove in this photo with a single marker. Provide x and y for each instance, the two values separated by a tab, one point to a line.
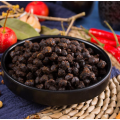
34	22
31	20
24	17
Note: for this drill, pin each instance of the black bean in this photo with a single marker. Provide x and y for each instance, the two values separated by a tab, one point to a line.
21	80
78	48
21	59
37	80
75	81
76	64
57	50
30	60
79	58
15	59
82	63
37	62
40	86
54	68
65	65
40	55
20	73
82	45
50	42
49	83
81	85
23	67
33	68
61	58
14	76
42	43
64	53
64	40
45	70
46	61
62	89
101	64
27	54
28	44
15	68
57	40
50	76
62	83
12	54
29	76
62	45
86	54
47	50
86	82
34	55
90	50
61	72
93	60
53	57
44	78
95	70
75	71
72	47
58	79
75	42
52	88
70	58
69	76
38	72
29	82
69	70
17	48
88	66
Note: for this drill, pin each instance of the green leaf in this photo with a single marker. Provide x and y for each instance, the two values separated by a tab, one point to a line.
47	31
22	29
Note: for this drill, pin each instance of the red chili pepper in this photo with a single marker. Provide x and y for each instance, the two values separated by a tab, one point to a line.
114	51
115	36
103	34
110	49
104	41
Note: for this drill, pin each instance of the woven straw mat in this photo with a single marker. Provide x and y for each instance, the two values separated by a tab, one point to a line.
104	106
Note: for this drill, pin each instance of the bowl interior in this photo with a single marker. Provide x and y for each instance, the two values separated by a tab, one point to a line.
6	58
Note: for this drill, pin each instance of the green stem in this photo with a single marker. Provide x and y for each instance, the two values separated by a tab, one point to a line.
84	36
85	30
101	44
5	21
116	39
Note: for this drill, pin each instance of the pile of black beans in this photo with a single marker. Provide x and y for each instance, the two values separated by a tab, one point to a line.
56	64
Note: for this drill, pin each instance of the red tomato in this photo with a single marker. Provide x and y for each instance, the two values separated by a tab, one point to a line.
38	8
7	39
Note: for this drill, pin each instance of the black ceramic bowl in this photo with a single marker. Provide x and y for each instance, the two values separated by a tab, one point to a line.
49	97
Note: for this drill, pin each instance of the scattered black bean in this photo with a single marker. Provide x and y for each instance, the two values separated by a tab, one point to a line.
40	86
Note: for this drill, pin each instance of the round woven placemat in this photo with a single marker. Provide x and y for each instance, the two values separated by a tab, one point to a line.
104	106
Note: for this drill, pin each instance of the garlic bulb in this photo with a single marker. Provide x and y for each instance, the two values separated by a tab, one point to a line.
31	20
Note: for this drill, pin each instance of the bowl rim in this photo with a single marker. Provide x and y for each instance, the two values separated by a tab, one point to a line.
55	36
